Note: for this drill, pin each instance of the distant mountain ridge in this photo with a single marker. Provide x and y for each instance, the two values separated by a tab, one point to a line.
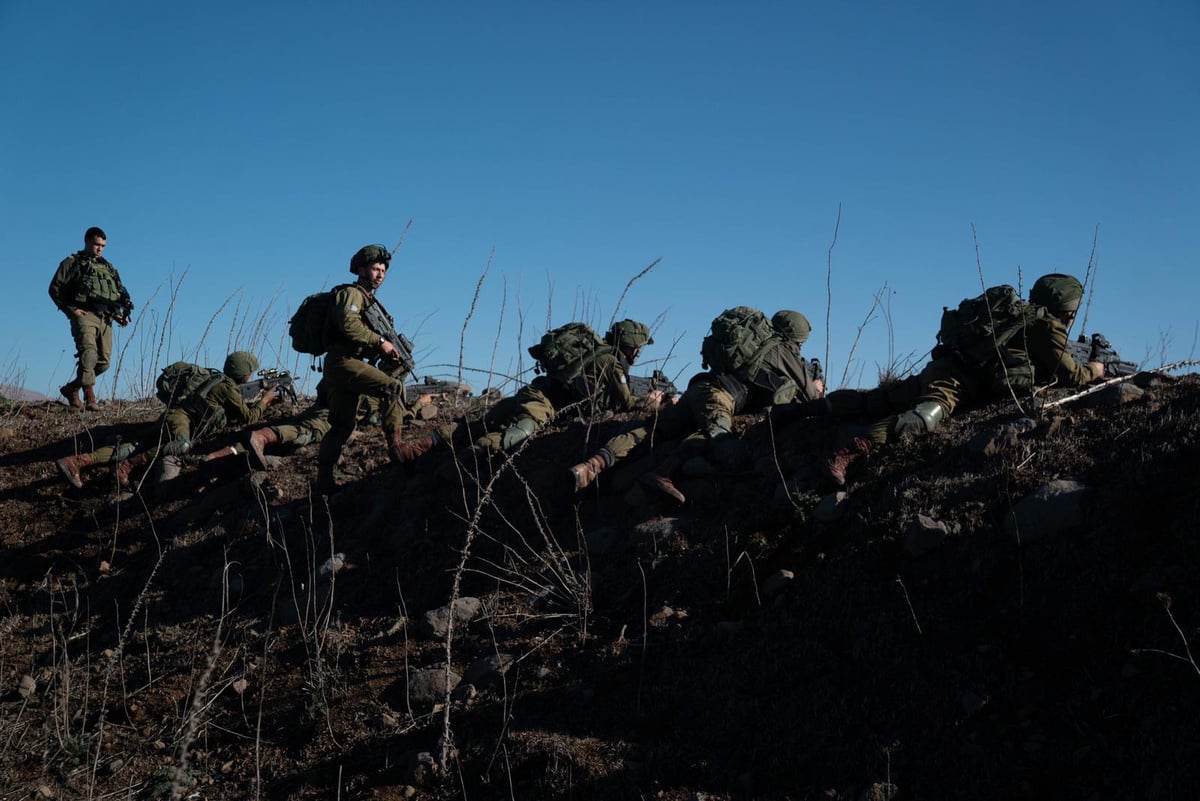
13	392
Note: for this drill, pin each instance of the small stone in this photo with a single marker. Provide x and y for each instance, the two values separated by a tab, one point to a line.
831	508
240	686
428	686
1052	508
489	668
28	686
462	610
777	582
924	535
332	565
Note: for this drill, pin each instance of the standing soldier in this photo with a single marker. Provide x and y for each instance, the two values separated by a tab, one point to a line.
88	289
361	331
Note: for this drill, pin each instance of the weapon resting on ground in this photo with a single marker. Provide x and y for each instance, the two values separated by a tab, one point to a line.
439	393
429	396
640	386
270	378
1098	349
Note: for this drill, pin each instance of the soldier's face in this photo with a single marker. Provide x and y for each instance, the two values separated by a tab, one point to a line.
372	275
95	246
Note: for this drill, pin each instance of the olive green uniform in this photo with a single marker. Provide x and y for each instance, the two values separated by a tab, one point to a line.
708	406
181	426
349	376
948	383
92	286
603	386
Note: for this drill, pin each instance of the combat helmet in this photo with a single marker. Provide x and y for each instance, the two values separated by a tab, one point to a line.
629	334
791	325
240	364
370	254
1058	292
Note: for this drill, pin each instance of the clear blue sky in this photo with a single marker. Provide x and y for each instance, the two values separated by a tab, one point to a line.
240	153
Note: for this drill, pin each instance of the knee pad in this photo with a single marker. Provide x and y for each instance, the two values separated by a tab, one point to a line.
922	418
178	446
517	433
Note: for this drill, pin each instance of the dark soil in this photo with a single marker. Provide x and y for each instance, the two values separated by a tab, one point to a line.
198	645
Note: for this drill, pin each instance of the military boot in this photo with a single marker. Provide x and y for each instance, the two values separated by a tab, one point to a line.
586	471
221	454
410	449
89	399
125	468
840	461
255	442
70	391
660	481
394	444
72	466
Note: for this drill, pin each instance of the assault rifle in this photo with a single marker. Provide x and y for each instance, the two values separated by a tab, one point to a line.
429	396
122	309
818	374
1098	349
439	392
270	378
380	322
641	386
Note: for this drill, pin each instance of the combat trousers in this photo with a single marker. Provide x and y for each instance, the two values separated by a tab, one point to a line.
93	346
943	381
347	379
531	402
705	406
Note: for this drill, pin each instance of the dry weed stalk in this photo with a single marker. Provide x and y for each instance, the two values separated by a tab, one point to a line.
1166	601
837	224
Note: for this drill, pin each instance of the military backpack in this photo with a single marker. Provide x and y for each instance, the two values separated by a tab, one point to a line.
309	326
565	352
738	341
183	383
977	332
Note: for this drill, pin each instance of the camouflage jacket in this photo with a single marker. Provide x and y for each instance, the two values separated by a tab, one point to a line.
349	334
85	282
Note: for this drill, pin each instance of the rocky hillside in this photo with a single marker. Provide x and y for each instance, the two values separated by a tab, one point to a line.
1002	610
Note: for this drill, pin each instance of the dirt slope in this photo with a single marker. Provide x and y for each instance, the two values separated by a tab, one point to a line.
238	639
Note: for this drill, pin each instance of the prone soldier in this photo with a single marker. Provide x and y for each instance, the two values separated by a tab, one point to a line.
772	372
200	401
1027	351
581	370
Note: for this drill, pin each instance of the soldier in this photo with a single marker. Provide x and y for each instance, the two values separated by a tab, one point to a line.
201	401
88	289
307	428
1036	355
349	374
592	375
705	412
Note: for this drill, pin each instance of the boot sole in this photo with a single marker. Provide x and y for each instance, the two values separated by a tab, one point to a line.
73	479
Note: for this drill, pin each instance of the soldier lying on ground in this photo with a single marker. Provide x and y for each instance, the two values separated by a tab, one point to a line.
768	371
1034	353
581	371
200	401
307	428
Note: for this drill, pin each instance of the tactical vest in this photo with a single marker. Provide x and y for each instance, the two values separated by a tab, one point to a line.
96	282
